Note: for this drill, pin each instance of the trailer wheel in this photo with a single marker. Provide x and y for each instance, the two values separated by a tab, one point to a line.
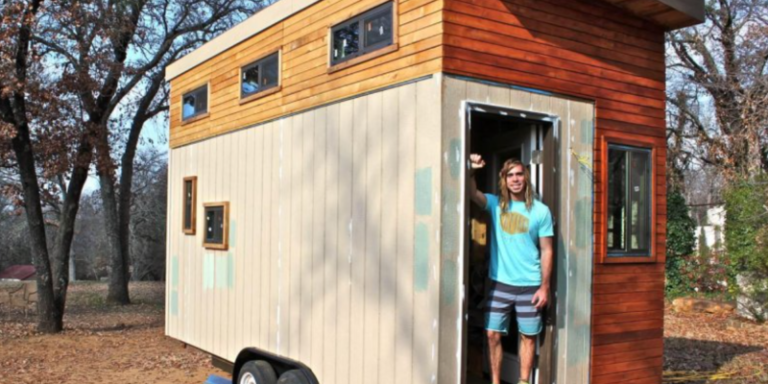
293	376
257	372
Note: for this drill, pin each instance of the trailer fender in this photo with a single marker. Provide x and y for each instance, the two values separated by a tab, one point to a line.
279	363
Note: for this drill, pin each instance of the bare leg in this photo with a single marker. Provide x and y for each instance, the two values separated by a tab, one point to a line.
495	352
527	350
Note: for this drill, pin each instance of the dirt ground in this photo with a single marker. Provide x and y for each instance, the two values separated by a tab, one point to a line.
100	344
110	344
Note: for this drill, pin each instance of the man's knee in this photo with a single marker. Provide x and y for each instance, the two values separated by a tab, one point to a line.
494	337
528	339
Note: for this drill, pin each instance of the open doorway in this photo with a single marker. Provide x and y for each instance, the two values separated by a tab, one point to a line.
499	134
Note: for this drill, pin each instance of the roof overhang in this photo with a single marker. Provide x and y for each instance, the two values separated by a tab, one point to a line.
250	27
670	14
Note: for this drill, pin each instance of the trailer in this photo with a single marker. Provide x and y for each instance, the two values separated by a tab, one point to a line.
319	229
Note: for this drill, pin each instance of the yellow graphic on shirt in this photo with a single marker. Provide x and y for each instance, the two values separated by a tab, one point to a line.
514	223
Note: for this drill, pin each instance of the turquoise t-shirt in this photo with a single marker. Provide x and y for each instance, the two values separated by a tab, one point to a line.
515	256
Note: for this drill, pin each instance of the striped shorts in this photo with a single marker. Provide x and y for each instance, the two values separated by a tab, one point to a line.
502	300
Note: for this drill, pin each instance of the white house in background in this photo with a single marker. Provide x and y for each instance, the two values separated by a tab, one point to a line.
714	230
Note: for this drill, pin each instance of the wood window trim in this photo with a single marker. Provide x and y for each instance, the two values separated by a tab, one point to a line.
370	55
201	116
193	213
606	140
270	91
225	231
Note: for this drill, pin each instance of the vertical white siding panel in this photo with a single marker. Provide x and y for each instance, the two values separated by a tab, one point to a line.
388	265
275	250
344	251
172	244
452	217
579	137
359	191
169	250
238	249
246	240
405	215
331	242
267	281
192	257
179	243
431	109
286	185
318	239
308	203
205	194
372	237
224	188
256	299
298	171
428	187
198	253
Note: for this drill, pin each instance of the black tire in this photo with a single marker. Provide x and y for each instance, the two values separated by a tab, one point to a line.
293	376
257	372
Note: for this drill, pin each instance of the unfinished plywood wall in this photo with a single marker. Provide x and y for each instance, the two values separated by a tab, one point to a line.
574	137
333	245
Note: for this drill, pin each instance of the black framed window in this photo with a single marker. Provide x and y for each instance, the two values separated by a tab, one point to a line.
216	225
194	103
260	75
362	34
629	201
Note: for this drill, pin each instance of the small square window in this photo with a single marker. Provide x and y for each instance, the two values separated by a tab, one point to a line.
195	103
260	75
362	34
190	197
629	197
216	225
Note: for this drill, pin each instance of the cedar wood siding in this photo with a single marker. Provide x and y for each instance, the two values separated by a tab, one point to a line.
305	79
591	50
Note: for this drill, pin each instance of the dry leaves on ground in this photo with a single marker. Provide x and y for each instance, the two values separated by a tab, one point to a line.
707	348
100	344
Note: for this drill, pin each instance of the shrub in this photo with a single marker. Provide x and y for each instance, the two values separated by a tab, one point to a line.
746	235
680	243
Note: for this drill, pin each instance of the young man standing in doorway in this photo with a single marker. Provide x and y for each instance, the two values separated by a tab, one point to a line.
521	261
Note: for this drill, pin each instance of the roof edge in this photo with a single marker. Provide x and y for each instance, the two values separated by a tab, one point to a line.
248	28
694	9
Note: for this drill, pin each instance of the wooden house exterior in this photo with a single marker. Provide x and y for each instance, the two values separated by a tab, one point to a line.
340	189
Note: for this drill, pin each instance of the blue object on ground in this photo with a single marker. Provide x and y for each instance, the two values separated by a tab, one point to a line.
213	379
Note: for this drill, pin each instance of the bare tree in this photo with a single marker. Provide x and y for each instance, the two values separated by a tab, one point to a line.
115	54
20	93
718	91
148	216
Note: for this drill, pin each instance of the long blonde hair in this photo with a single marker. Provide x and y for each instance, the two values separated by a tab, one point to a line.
504	191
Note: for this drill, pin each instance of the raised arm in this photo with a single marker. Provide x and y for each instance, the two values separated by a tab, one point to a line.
476	162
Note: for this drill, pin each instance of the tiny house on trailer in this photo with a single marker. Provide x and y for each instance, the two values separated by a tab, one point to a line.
318	220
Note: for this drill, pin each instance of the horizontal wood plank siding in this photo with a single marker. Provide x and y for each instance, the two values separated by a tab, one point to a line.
598	52
305	80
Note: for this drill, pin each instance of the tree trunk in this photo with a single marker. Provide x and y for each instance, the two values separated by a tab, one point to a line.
50	318
125	194
66	232
118	279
